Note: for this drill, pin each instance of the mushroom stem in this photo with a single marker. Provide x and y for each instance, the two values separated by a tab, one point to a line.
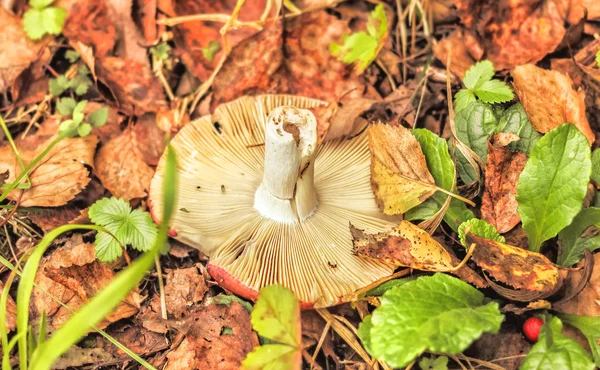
287	193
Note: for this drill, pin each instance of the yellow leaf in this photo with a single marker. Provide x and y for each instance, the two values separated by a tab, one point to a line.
399	174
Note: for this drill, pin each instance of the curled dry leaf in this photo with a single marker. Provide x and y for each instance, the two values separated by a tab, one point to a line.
549	99
185	287
17	51
399	175
121	168
499	203
587	302
409	246
218	337
514	266
133	85
291	60
58	177
73	275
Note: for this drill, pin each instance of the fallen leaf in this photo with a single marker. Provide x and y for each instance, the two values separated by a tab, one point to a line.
499	203
148	133
185	287
131	42
191	38
506	349
145	15
514	266
133	85
121	168
90	22
150	316
464	48
218	337
58	177
587	302
17	52
291	60
549	99
73	275
11	311
399	175
409	246
77	356
141	341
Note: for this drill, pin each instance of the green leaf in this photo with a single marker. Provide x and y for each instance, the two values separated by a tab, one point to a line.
81	84
462	99
58	85
474	125
98	117
33	24
364	330
515	121
226	300
72	56
598	58
128	227
494	91
384	287
478	74
84	129
480	228
39	22
161	51
276	315
583	233
596	166
66	106
68	128
362	47
553	183
211	50
270	356
54	19
436	313
590	327
555	351
78	111
40	4
441	167
440	363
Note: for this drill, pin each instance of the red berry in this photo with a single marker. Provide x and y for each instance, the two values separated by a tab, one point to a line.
532	327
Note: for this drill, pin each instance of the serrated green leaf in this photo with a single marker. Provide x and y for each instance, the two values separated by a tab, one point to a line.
40	4
84	129
98	117
83	70
161	51
553	184
478	74
494	91
441	167
474	125
378	21
42	21
271	357
72	56
583	233
462	99
480	228
364	330
590	327
54	19
130	227
58	85
596	166
555	351
276	315
80	84
33	24
66	106
436	313
515	121
440	363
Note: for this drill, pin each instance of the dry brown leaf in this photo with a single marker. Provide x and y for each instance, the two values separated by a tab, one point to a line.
587	302
121	168
295	60
138	339
514	266
17	51
549	99
58	177
399	175
145	15
77	356
409	246
205	347
465	49
90	22
74	275
185	287
133	85
499	203
151	137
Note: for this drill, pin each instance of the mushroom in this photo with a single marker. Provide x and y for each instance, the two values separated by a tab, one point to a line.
270	206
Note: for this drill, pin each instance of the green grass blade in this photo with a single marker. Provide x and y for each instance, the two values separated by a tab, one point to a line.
3	329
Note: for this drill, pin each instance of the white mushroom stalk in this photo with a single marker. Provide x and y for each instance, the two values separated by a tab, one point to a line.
287	192
270	206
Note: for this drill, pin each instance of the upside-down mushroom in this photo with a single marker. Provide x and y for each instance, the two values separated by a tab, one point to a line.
270	206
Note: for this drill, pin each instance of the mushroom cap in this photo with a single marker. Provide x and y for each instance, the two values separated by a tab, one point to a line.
220	168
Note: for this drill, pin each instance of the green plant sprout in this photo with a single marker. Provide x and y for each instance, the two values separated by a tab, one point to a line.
42	19
161	51
76	126
79	84
479	83
362	47
211	50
